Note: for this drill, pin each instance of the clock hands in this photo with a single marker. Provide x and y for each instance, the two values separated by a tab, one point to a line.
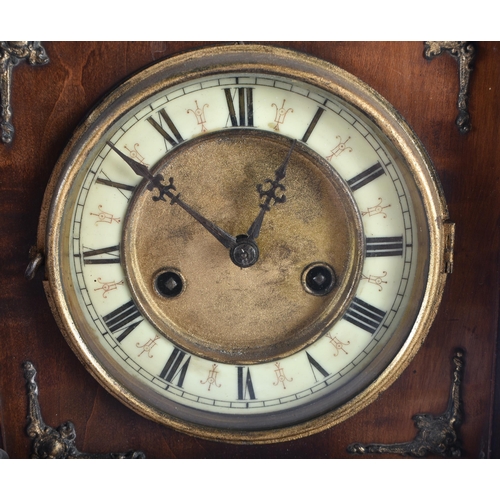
243	249
270	195
155	181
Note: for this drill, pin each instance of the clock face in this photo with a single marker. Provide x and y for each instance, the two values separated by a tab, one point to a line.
243	249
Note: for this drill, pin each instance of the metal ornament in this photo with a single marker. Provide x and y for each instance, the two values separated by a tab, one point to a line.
437	435
56	443
11	54
464	53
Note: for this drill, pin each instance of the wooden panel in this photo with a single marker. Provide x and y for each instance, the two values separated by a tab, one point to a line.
49	101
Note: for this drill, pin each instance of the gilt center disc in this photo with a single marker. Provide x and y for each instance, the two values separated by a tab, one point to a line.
243	314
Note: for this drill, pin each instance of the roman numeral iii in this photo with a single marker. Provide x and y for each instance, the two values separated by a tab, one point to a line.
364	315
384	247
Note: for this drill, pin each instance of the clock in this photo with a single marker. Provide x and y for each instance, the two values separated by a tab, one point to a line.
244	243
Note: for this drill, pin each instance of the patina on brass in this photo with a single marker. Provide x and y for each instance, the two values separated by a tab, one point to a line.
11	54
437	435
56	443
416	168
227	313
464	53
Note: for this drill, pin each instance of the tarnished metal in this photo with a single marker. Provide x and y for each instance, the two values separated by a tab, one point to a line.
437	435
36	260
56	443
449	246
11	54
464	53
54	228
264	331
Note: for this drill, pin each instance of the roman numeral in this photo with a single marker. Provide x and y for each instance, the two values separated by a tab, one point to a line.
173	368
245	385
117	185
316	367
166	123
384	247
364	315
366	176
87	256
244	97
313	124
123	317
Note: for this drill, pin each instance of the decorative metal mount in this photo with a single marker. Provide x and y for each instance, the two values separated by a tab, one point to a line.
464	53
11	53
436	435
60	442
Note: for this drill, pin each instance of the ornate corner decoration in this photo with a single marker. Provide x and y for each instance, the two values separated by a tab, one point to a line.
436	434
11	54
60	442
464	53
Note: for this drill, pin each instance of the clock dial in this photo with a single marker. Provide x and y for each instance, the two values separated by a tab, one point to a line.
244	252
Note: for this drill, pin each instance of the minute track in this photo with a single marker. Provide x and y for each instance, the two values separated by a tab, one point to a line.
177	238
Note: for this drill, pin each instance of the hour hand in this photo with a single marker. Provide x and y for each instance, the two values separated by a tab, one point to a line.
270	195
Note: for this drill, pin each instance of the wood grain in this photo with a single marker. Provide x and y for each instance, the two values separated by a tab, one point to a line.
49	102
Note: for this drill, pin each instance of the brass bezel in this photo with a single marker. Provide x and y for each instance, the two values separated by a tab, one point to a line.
259	59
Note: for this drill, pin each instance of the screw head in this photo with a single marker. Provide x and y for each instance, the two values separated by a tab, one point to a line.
318	278
168	283
245	253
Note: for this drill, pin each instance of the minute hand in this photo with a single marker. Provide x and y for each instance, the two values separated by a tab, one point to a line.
155	181
270	195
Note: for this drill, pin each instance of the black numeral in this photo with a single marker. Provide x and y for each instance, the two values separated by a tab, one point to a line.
313	124
174	369
117	185
123	317
384	247
244	98
316	367
366	176
364	315
245	385
89	254
166	123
